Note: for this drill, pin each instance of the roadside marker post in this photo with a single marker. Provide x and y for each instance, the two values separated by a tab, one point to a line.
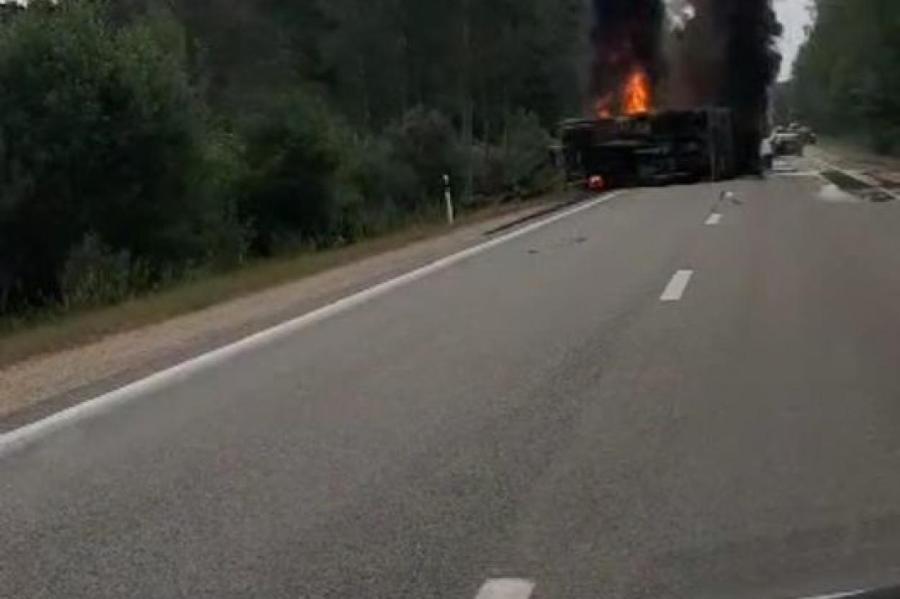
448	201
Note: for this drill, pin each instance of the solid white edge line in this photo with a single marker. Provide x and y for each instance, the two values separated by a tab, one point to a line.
677	285
506	588
847	595
24	436
714	219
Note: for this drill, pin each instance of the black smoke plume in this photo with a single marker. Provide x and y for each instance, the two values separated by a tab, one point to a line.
625	35
724	55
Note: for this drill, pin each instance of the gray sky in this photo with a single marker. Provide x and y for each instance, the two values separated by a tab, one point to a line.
795	17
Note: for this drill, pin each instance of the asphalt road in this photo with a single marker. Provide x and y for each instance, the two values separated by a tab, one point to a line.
534	412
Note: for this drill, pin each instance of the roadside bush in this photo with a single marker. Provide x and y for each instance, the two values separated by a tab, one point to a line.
94	275
224	238
293	154
520	165
100	132
378	189
526	167
423	147
312	184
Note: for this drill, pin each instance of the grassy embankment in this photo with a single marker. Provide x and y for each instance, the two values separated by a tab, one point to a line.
55	330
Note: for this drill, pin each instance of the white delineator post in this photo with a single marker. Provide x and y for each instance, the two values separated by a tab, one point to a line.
448	201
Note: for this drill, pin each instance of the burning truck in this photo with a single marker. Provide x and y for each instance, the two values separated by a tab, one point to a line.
679	92
673	146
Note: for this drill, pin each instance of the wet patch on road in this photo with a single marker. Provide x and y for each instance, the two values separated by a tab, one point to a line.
833	193
856	186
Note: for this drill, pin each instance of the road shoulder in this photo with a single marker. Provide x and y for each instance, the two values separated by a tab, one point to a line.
39	386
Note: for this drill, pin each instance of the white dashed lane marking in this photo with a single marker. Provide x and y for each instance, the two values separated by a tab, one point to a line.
677	286
506	588
714	219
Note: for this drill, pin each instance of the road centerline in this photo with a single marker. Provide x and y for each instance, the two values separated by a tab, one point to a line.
674	291
506	588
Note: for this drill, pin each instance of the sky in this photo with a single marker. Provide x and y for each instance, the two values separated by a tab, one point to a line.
795	17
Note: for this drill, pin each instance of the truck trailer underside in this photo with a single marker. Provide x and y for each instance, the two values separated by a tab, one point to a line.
653	149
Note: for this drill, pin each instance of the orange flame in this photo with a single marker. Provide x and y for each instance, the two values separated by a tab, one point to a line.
637	97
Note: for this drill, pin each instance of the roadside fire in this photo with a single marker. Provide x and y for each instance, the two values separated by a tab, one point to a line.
637	96
626	57
650	57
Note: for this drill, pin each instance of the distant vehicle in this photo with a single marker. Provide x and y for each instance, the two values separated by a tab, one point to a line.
808	135
787	144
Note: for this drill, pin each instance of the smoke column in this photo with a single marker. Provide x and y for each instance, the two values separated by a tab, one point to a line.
712	53
726	56
679	13
752	28
626	34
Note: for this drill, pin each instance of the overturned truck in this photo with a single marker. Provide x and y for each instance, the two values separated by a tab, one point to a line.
651	149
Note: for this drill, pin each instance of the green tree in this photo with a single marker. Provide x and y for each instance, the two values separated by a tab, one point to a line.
847	76
294	155
99	134
156	136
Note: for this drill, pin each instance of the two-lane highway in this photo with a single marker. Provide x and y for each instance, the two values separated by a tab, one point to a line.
675	392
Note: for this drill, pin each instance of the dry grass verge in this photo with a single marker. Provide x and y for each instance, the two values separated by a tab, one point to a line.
56	332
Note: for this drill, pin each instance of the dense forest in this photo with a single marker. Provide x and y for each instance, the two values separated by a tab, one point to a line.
142	141
847	77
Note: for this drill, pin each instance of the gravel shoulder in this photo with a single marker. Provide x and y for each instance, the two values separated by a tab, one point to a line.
884	170
38	386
